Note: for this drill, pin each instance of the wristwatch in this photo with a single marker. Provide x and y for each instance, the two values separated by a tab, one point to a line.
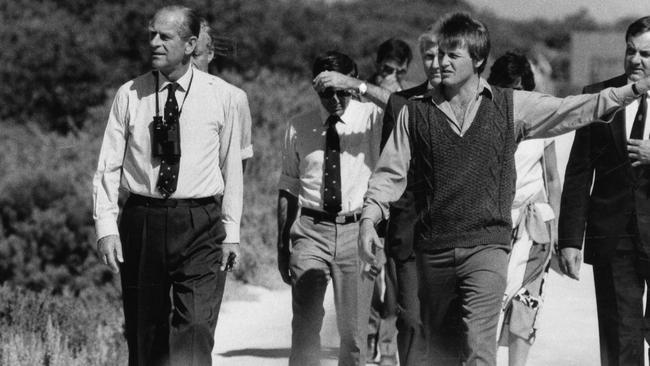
362	88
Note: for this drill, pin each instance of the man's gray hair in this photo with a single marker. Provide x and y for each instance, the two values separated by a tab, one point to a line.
191	24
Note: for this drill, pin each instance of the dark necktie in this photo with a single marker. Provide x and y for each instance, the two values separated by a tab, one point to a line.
639	120
168	176
332	168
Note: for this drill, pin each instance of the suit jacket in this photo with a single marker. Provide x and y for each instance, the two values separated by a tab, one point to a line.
618	205
399	231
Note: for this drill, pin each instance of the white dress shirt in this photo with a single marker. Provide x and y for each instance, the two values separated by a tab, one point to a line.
210	147
303	154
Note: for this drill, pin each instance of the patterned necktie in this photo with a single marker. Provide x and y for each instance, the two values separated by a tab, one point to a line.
332	168
639	120
168	176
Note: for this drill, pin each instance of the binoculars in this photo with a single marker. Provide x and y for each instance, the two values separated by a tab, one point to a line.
166	139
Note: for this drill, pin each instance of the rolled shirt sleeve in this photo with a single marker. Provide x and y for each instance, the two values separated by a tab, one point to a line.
106	181
231	170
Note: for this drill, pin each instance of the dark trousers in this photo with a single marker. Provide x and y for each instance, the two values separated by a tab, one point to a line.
320	251
460	294
171	283
411	345
619	300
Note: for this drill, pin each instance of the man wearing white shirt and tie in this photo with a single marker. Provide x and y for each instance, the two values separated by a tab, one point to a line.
172	143
328	155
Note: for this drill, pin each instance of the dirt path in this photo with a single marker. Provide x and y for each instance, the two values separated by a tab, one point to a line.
258	333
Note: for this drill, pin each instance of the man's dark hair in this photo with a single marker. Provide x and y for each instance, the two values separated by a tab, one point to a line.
191	25
335	61
639	26
458	29
508	68
394	49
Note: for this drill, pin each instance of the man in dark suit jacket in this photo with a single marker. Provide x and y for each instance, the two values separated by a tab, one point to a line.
616	213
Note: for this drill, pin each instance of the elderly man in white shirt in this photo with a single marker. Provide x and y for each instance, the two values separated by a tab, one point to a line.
179	229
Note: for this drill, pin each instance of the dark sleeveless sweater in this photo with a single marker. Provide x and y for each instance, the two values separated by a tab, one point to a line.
464	186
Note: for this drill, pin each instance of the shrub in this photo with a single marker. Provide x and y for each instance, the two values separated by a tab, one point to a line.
50	72
46	228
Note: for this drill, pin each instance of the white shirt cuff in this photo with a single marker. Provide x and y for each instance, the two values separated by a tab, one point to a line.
106	227
232	232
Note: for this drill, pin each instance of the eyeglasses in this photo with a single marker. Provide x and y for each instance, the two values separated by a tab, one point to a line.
389	70
328	93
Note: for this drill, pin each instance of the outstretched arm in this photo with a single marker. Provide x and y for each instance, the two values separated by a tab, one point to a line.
539	115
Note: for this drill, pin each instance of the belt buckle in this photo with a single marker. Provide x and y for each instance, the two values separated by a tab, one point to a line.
339	219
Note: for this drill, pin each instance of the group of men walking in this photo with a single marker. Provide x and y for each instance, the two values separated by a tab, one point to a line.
432	168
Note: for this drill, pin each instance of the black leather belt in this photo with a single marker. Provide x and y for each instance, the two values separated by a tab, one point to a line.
138	200
324	216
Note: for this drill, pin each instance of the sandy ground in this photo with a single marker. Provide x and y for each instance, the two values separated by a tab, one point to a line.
258	332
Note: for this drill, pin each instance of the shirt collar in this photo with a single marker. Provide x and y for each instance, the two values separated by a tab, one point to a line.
183	82
483	89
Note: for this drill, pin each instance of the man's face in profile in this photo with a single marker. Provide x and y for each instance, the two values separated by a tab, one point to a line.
637	56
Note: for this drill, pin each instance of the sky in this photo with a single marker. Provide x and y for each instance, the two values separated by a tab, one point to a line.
602	10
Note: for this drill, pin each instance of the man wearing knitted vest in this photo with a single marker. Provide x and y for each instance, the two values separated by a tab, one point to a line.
460	140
